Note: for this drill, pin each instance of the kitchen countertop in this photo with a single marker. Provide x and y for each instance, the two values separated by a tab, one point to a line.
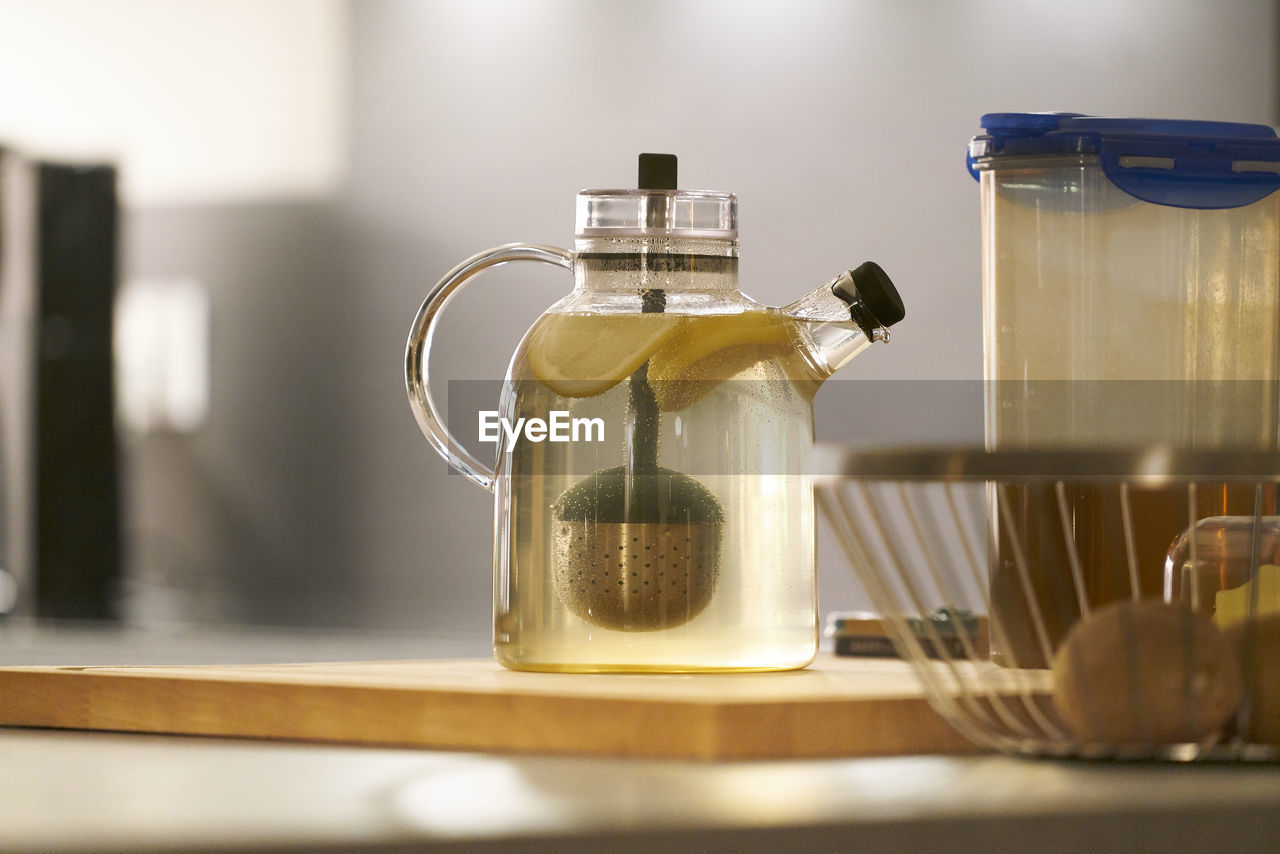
63	791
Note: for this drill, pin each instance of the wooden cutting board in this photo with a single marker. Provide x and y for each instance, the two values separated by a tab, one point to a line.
837	707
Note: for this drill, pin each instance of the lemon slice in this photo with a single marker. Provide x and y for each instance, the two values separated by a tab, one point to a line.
1231	606
582	355
705	351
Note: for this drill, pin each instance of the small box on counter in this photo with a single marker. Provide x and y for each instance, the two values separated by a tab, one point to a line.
861	633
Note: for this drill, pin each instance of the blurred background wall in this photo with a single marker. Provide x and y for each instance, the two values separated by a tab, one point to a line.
313	166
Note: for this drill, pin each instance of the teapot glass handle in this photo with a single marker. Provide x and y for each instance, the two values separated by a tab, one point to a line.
417	352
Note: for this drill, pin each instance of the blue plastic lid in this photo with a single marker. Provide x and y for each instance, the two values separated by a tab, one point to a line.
1176	162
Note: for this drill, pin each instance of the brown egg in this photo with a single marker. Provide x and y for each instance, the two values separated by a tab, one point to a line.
1257	643
1145	672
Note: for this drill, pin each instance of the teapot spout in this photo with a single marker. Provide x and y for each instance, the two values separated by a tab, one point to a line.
847	315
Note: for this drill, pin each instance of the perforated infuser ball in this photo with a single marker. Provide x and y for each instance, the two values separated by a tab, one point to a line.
656	570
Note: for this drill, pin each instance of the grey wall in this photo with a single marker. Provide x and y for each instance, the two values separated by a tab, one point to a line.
247	518
840	125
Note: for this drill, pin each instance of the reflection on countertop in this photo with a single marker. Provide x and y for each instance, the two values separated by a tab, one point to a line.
87	792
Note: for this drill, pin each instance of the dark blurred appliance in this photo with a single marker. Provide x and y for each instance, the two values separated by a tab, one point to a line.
59	468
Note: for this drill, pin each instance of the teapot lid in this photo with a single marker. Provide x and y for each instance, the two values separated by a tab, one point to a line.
657	208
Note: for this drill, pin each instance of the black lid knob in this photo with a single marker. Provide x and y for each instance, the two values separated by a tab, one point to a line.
870	287
657	172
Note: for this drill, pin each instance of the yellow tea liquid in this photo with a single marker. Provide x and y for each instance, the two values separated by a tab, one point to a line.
733	413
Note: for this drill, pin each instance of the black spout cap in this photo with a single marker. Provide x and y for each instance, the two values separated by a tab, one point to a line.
657	172
869	287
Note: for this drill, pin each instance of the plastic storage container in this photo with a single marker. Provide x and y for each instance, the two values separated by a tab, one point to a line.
1131	296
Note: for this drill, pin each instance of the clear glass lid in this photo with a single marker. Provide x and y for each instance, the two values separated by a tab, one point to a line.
657	209
658	213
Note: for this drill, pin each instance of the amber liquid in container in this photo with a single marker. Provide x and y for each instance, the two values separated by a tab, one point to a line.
1111	322
1096	524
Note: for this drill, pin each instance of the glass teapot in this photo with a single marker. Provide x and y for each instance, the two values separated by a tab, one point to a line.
652	508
